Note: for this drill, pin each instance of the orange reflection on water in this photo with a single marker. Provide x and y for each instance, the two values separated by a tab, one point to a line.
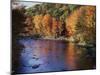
70	56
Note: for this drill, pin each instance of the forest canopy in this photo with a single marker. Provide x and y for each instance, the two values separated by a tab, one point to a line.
51	20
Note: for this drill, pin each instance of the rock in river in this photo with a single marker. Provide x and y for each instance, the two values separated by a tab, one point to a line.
35	66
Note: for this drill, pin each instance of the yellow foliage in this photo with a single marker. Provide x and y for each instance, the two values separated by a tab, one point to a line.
72	20
38	21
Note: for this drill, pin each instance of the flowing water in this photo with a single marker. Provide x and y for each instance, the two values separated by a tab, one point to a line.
52	55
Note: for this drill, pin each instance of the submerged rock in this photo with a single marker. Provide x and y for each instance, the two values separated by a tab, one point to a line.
35	58
35	66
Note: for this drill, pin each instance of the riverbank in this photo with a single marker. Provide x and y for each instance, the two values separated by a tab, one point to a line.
71	39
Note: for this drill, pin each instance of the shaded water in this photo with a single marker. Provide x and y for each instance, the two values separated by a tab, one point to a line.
53	55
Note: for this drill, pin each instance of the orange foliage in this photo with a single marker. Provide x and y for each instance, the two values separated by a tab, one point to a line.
38	21
90	12
47	24
54	25
71	21
74	18
50	26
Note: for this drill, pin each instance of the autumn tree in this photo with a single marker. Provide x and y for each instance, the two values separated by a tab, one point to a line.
47	24
86	25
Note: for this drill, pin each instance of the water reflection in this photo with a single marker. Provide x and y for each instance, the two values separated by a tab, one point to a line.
53	55
71	56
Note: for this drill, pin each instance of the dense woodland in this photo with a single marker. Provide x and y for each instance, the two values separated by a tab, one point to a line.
56	21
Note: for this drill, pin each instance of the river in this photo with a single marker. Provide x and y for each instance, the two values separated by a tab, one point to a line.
53	55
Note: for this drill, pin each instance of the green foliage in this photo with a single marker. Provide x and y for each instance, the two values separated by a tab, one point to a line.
59	11
30	12
72	7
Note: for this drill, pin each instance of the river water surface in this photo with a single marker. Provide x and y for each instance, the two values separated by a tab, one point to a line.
53	55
